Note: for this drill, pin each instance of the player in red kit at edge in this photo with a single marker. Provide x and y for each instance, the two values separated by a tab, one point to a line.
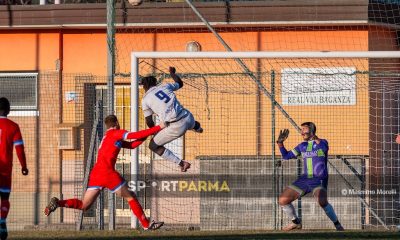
104	175
10	136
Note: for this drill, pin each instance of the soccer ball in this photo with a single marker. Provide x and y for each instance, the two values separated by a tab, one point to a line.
135	2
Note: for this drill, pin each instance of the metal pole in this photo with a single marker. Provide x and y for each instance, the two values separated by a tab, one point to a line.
100	211
89	160
363	172
134	127
299	172
100	133
382	198
280	187
258	116
60	114
36	203
110	90
274	164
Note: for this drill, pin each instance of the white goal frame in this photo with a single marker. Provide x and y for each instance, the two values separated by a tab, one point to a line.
136	56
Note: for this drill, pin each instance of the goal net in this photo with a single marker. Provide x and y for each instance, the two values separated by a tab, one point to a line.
242	104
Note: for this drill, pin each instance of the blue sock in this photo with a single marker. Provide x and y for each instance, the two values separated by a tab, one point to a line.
330	213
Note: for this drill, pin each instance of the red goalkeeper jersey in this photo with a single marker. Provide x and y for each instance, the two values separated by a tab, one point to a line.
10	136
112	143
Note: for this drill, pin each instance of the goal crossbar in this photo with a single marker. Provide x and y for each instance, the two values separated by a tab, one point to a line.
302	54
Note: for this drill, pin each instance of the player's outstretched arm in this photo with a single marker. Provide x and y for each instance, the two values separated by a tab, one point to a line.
144	133
133	144
176	78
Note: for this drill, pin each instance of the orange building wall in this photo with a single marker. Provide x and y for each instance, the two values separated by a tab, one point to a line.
85	53
28	51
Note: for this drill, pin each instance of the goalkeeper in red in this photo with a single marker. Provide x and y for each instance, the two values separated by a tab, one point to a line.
314	152
104	175
10	136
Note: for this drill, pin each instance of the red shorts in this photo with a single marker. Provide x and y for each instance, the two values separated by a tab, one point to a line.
5	182
110	179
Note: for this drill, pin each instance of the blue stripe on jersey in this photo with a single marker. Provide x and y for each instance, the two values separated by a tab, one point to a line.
5	190
118	144
18	142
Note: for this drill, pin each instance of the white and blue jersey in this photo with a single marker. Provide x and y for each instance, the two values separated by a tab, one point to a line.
161	100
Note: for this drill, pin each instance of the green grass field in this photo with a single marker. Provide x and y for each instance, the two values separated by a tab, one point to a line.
203	235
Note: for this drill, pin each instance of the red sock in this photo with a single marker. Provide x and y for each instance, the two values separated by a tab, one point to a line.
138	211
5	207
71	203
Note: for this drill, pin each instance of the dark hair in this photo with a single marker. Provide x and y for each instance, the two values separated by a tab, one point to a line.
111	121
149	82
311	126
4	106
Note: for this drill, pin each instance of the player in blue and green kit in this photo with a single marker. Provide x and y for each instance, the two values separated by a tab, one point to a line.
314	152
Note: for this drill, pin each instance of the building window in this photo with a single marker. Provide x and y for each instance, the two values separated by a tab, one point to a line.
21	89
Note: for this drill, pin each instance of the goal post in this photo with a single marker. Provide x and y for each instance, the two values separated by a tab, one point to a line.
216	79
135	127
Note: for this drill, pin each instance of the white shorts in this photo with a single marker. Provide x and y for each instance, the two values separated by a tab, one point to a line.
174	130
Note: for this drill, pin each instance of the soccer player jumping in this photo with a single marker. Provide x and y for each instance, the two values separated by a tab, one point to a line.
314	152
161	100
104	175
10	136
